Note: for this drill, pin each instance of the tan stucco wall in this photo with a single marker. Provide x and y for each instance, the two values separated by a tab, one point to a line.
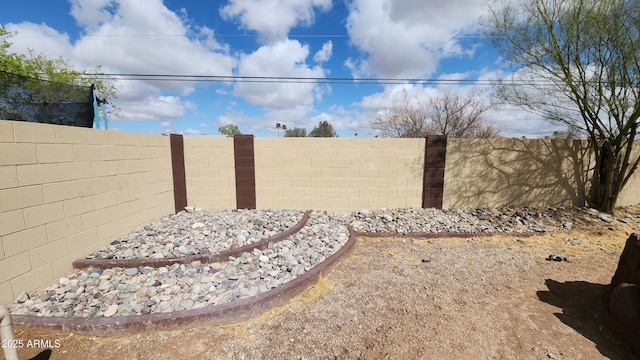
66	191
630	194
338	174
514	172
210	172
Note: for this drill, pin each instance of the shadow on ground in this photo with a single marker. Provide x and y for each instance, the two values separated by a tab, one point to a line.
44	355
578	301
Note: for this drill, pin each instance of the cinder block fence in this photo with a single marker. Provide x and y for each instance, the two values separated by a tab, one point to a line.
66	191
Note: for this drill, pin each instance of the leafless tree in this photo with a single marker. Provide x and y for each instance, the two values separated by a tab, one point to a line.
449	114
458	116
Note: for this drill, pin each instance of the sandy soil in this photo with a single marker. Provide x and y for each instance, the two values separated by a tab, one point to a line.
482	298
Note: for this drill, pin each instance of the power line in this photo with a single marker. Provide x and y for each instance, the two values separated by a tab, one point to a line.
306	80
18	36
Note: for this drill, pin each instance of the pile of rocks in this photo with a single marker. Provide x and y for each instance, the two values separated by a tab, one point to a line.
197	232
95	292
505	220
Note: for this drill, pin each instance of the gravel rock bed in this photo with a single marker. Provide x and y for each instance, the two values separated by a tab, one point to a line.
95	292
506	220
197	232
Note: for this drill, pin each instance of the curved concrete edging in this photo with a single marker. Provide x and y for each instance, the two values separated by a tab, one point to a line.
426	235
204	258
227	313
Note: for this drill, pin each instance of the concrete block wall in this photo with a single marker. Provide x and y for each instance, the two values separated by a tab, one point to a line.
66	191
630	194
515	172
210	172
338	174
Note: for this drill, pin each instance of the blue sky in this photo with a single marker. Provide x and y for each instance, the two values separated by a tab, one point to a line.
372	39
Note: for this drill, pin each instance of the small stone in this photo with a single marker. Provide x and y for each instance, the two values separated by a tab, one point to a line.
131	271
111	310
263	258
538	228
42	305
253	291
63	281
556	258
233	276
605	217
197	225
24	296
186	304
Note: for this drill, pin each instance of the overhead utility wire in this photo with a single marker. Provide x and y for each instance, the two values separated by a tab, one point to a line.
304	80
235	35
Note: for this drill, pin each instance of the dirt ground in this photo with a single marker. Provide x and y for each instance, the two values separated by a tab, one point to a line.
482	298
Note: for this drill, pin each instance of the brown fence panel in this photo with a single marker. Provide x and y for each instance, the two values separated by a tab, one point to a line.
434	165
245	171
179	178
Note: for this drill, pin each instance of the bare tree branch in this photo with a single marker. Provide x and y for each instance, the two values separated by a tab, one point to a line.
578	63
449	114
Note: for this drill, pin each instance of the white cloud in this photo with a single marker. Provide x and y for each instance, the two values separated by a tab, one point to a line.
153	108
190	131
349	121
91	13
296	116
393	93
358	67
342	120
325	53
130	36
273	19
39	37
282	59
510	120
147	38
407	38
515	122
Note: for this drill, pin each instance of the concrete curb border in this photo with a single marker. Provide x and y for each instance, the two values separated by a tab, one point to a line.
227	313
425	235
204	258
231	312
